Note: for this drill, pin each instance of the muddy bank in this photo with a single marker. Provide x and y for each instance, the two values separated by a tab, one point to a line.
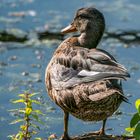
16	35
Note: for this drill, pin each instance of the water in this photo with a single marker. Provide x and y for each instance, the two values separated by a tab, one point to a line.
32	58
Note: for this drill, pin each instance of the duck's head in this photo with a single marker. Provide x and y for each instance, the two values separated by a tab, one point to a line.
90	23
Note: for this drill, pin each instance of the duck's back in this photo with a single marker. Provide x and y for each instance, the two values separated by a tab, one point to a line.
85	82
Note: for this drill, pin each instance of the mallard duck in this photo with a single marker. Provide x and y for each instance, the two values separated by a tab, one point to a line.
81	79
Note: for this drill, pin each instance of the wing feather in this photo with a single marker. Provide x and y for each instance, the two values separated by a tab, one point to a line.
84	66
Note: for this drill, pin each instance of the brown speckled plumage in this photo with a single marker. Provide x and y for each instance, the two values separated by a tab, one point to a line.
84	81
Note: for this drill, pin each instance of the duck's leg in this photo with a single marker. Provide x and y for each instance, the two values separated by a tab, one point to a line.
102	130
66	119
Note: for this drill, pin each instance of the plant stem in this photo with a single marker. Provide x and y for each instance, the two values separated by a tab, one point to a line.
27	129
27	119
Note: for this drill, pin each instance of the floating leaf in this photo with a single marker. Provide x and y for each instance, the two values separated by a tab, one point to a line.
16	121
137	132
135	119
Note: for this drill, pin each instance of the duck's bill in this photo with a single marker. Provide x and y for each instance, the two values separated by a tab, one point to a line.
69	29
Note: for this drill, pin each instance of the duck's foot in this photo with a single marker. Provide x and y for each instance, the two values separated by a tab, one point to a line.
65	137
101	132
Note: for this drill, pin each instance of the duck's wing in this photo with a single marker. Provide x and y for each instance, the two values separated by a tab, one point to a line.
83	66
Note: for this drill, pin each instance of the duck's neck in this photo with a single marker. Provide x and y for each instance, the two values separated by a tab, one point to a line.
90	39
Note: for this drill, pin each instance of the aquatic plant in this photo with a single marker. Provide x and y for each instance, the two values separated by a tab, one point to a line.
27	116
134	129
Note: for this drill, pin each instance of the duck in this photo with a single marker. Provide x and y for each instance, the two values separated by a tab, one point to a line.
81	79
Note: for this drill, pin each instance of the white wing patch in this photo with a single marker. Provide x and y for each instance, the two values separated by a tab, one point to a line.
87	73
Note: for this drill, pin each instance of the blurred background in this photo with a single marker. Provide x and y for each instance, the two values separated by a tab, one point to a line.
23	63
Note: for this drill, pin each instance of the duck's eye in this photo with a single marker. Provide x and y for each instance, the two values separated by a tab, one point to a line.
83	16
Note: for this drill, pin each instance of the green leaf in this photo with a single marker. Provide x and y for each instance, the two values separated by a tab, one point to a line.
41	122
17	121
22	95
18	101
13	110
21	135
137	104
139	110
21	110
35	117
17	136
38	139
35	126
29	104
128	134
135	119
11	136
36	102
137	132
129	129
33	94
38	112
33	132
23	127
